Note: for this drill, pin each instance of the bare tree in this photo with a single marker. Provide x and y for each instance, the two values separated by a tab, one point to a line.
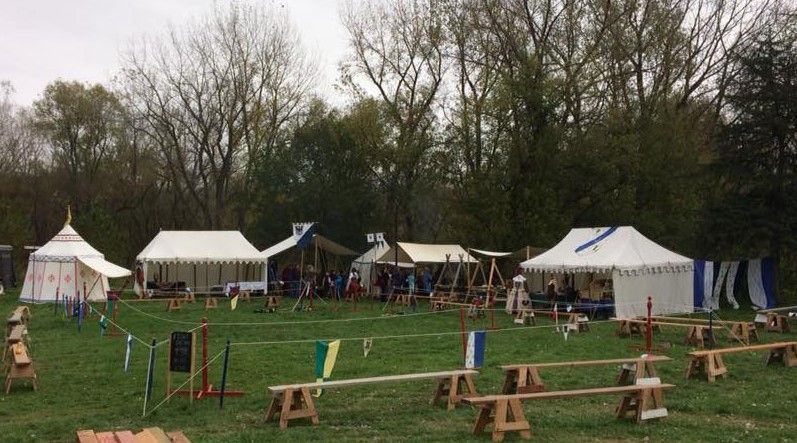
397	55
215	97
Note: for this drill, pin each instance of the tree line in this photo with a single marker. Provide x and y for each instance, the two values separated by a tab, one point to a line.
491	123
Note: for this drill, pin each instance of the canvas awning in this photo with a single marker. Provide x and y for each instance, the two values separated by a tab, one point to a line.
104	267
318	241
426	253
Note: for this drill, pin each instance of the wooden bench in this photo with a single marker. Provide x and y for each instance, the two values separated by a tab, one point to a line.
710	361
739	330
20	316
506	413
696	334
295	401
18	335
777	322
525	378
21	366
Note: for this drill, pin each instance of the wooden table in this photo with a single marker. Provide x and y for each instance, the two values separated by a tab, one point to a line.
525	377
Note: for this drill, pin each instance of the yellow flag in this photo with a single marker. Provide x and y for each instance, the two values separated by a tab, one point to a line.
233	303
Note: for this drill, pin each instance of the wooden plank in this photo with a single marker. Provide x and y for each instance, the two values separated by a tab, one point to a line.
125	437
694	320
653	358
565	394
663	323
106	437
178	437
781	309
751	348
159	435
368	380
86	436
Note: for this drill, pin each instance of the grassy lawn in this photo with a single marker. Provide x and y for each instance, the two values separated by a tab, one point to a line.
82	383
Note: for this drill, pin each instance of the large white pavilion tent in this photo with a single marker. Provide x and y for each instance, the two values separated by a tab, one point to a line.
638	267
68	266
204	261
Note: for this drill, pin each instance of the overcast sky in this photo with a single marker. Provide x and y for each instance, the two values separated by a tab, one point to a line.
43	40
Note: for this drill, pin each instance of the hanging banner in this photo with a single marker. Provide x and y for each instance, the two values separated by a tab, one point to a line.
128	352
233	303
474	355
325	356
367	343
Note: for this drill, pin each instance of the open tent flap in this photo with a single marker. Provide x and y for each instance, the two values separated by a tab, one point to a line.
105	267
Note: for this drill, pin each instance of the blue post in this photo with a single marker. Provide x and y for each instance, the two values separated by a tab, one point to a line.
79	313
224	374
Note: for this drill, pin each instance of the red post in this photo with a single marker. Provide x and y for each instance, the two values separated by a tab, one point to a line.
205	386
649	338
464	336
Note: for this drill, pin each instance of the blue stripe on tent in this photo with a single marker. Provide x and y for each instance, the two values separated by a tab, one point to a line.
597	239
699	269
768	279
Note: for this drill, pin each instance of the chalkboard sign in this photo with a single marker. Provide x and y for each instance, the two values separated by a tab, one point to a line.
181	352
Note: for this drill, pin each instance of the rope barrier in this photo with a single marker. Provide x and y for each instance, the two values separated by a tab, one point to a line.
388	337
175	391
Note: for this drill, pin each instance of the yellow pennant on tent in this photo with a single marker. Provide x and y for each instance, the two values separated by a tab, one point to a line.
233	303
325	356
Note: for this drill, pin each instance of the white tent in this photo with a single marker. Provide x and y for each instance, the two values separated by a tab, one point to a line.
638	266
66	266
200	259
364	263
426	253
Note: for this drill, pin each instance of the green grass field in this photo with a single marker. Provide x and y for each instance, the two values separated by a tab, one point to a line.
82	384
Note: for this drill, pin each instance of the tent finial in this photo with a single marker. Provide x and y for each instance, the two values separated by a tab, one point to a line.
68	215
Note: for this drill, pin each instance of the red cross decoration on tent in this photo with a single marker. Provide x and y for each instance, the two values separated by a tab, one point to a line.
67	278
30	277
82	272
39	277
51	278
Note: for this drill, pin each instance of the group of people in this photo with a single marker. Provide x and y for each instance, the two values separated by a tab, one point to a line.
338	283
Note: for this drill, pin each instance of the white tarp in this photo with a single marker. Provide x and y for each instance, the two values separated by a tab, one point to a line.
490	253
639	268
65	267
199	259
427	253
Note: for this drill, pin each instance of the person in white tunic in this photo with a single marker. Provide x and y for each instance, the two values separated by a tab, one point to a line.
518	296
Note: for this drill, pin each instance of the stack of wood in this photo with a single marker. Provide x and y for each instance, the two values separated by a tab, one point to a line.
147	435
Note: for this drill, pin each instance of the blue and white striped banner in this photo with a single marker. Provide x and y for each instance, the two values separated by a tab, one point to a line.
474	356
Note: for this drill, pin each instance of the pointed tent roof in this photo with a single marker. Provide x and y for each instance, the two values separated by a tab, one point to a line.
605	249
68	245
